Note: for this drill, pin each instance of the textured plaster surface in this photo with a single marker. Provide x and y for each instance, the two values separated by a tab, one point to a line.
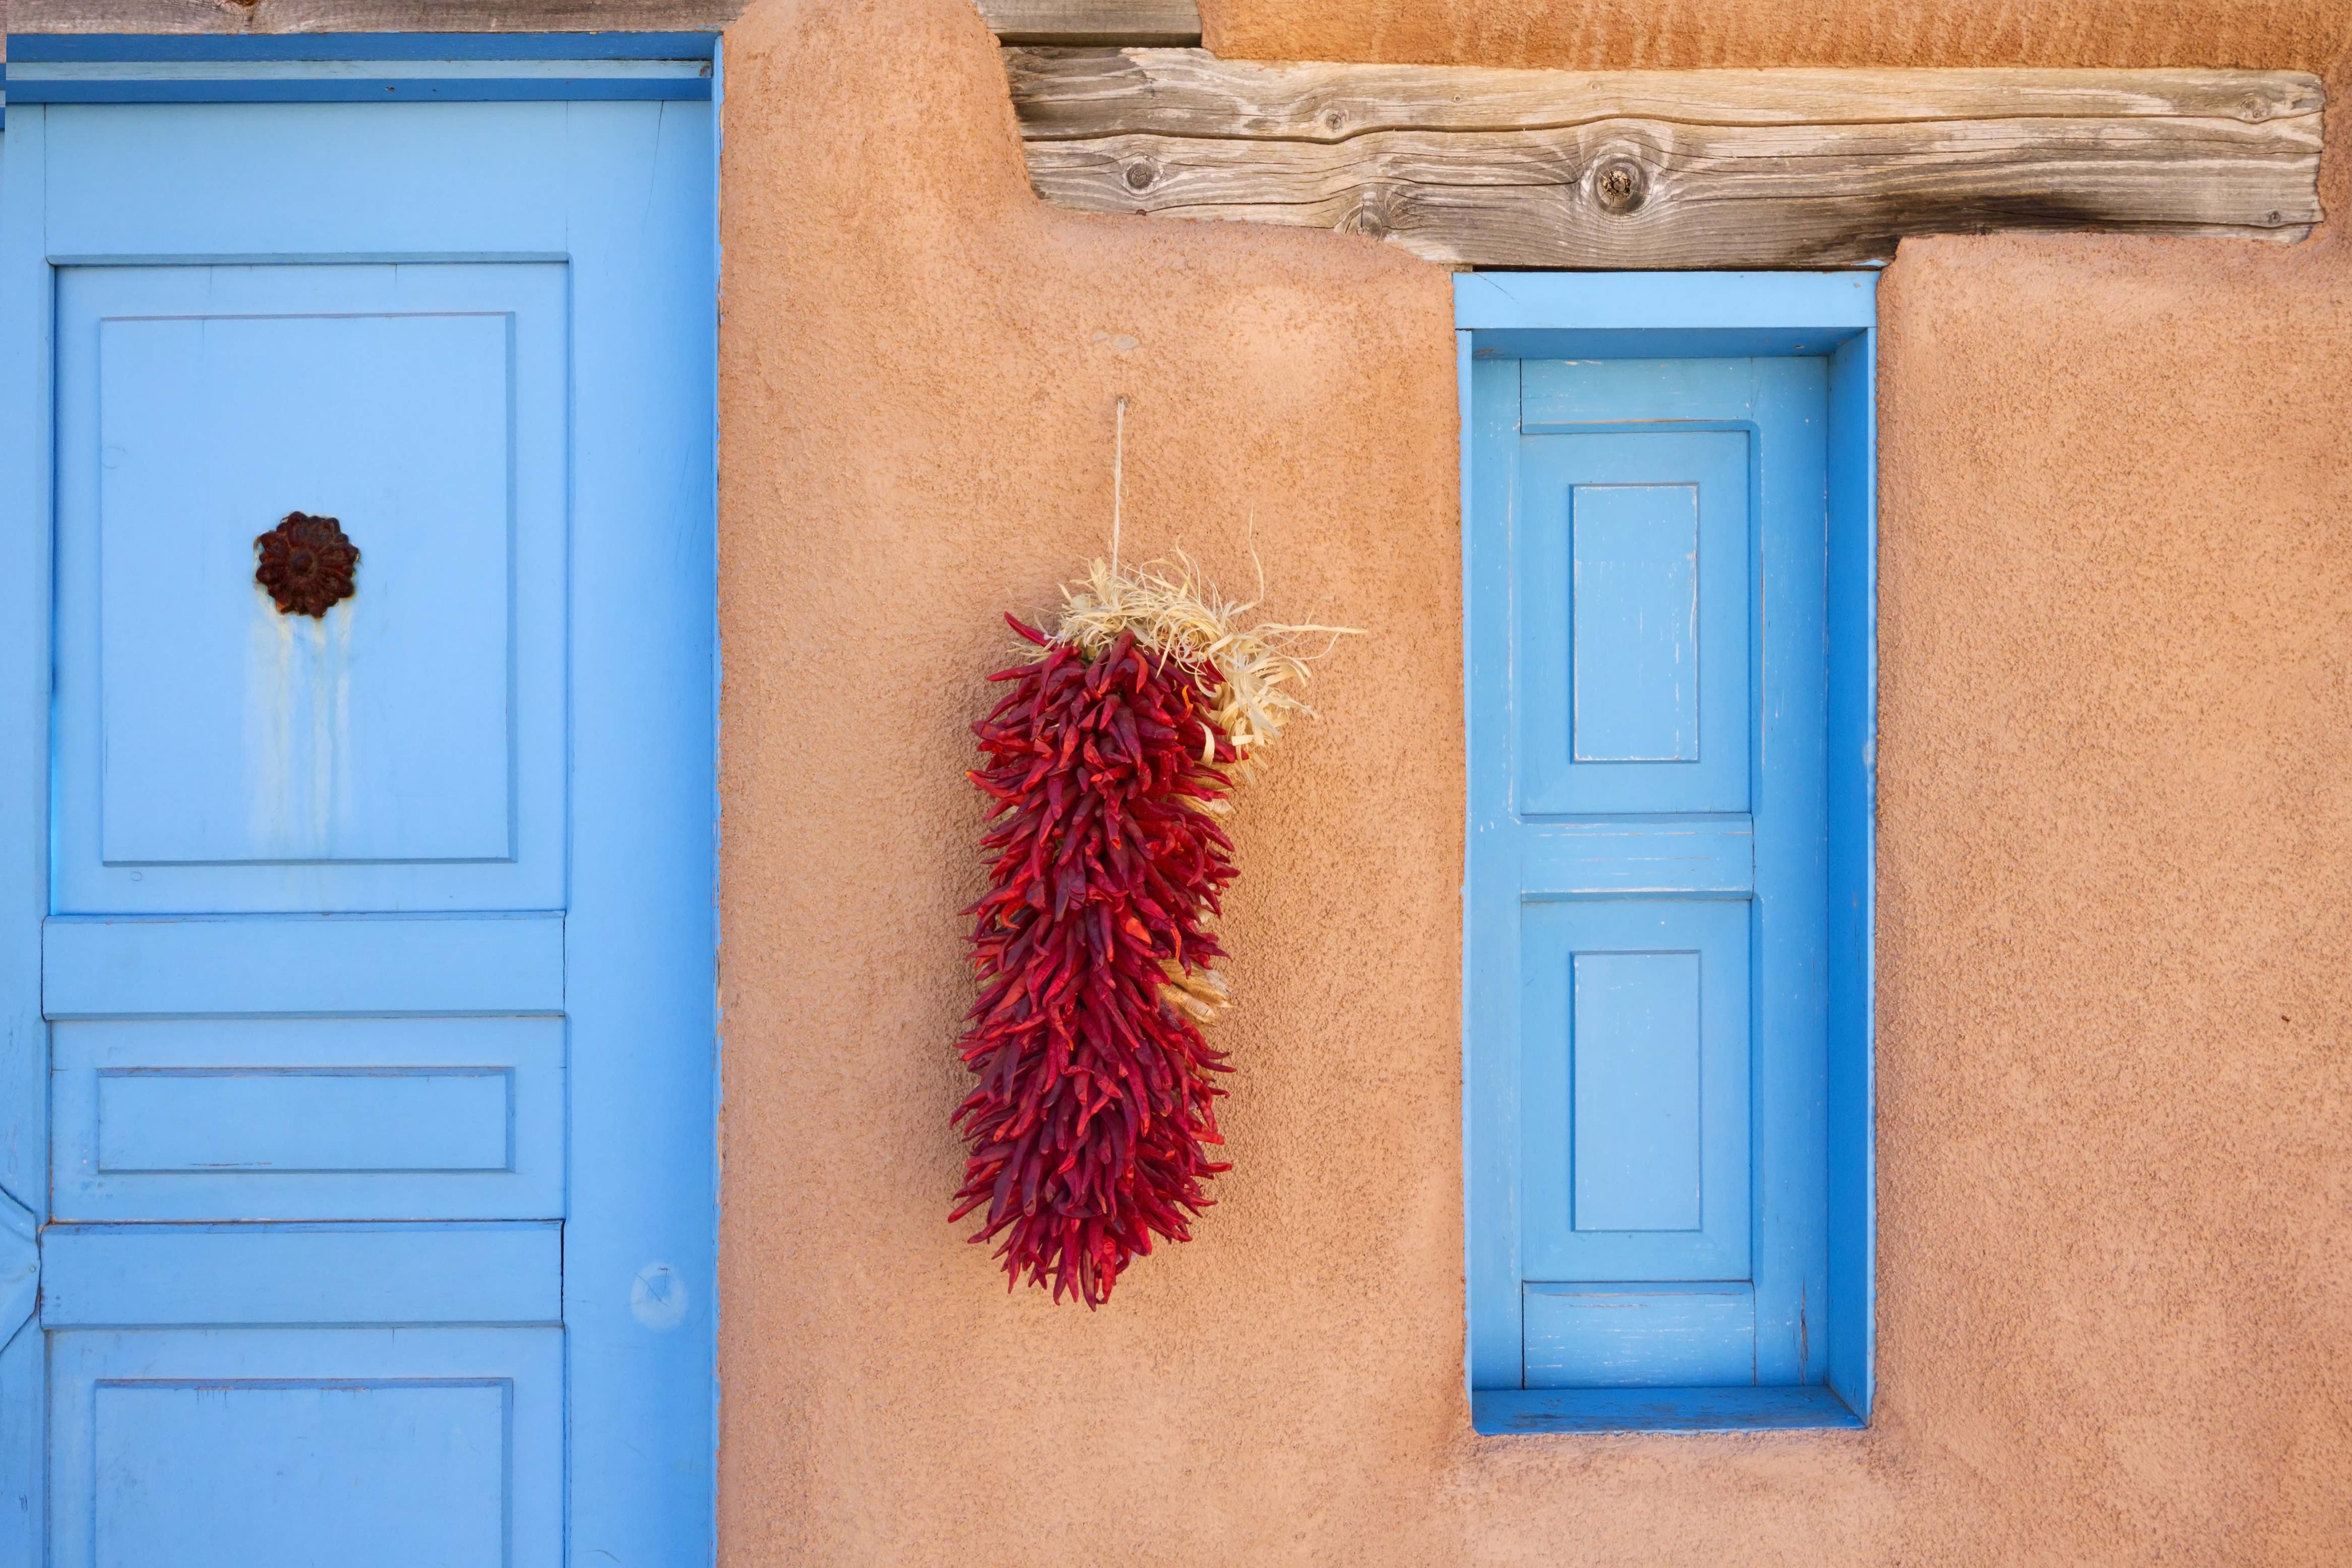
2115	1099
1687	35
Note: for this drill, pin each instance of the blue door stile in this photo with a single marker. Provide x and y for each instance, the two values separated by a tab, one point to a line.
357	1053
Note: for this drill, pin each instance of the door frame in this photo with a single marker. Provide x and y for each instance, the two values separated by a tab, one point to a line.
45	69
1663	315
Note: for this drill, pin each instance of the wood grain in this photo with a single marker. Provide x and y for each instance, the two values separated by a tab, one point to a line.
1136	22
1690	168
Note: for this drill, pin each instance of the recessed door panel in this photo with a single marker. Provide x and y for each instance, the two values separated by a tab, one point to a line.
363	1448
403	750
258	1118
1634	1041
1630	588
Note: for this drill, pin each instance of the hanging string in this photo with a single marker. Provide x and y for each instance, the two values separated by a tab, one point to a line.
1117	478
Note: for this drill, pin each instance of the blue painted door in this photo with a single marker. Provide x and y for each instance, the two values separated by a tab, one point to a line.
375	1194
1648	680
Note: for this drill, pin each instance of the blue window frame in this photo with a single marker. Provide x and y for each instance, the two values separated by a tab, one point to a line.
1669	558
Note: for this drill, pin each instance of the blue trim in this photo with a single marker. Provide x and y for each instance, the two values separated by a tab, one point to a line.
1852	751
1502	318
330	67
28	47
370	89
1503	1412
1775	302
28	324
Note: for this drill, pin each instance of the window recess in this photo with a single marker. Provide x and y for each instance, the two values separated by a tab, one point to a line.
1669	549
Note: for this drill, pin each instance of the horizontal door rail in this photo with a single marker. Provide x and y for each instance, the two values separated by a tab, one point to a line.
148	1276
318	965
1563	860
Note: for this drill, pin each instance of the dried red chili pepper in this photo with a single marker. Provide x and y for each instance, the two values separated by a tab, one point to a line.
1092	1121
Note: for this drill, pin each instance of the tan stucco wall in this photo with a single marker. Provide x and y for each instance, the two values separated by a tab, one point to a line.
1687	35
2115	1122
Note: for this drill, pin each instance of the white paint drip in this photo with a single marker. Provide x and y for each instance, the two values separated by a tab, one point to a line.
297	731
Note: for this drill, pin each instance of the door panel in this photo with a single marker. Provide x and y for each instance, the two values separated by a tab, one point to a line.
1631	582
377	950
306	1118
363	1448
404	751
1636	1047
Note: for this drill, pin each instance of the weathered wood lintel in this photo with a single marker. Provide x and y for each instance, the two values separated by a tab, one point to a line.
1669	169
1147	23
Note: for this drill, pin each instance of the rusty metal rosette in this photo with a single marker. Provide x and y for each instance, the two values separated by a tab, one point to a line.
307	564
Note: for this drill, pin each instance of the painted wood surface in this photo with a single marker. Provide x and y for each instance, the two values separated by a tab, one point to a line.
1640	1337
1853	748
1636	1083
251	1275
393	1447
296	1118
1647	652
191	967
1516	1412
407	751
1565	857
1699	169
1585	1113
265	16
413	1031
26	356
382	67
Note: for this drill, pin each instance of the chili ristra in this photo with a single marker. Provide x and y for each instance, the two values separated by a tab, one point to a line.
1093	1119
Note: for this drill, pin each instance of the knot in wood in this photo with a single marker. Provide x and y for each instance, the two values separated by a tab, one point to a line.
1371	217
1619	185
1140	174
1334	120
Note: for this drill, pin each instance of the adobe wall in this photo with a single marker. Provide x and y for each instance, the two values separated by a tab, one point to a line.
1687	35
2115	1102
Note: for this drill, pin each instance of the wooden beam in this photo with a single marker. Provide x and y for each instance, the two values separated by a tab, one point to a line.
1668	169
1146	23
371	16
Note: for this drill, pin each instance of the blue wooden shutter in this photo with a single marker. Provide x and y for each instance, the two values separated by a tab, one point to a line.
1648	676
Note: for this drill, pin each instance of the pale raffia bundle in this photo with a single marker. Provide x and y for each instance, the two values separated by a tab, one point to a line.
1175	612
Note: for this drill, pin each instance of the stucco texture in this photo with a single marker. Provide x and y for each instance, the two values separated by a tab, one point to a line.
1688	34
2115	1102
